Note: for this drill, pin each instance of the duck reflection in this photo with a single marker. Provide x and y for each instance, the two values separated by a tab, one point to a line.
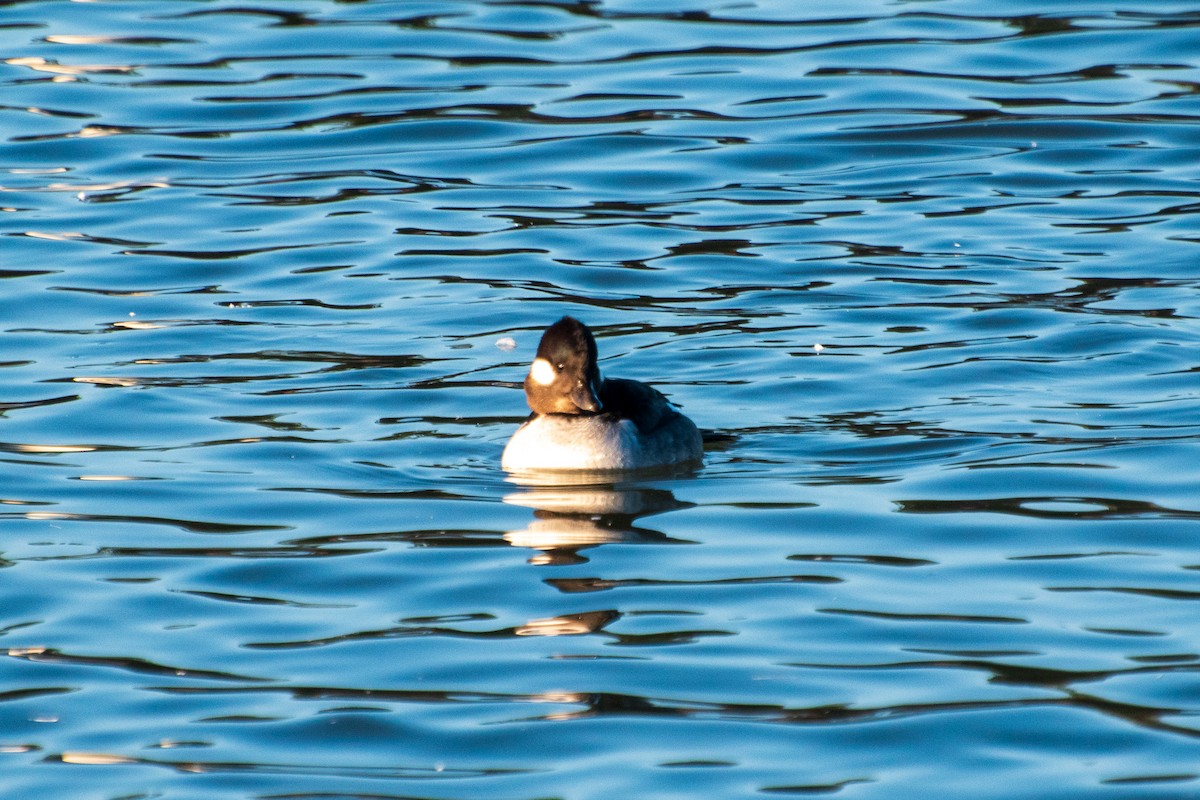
576	511
567	624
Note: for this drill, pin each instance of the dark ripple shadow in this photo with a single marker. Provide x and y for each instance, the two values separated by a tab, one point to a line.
578	585
581	623
43	655
1080	508
191	526
196	767
19	405
972	619
215	553
1084	297
1162	594
257	600
1015	674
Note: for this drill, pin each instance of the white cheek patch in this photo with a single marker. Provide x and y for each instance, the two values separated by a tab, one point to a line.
542	372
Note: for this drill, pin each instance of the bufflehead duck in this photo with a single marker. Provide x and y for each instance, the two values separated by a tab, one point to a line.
581	421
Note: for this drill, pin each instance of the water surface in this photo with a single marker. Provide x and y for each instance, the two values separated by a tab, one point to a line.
925	271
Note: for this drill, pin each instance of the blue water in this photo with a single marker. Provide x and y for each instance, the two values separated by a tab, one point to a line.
926	272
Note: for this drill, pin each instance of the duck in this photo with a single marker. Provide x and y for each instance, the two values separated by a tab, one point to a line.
583	421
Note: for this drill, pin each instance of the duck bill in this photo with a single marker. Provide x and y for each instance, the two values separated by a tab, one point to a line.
585	397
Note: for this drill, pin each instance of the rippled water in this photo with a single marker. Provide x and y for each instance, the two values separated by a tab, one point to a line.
926	271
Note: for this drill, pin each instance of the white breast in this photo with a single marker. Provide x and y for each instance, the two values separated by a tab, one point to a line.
555	441
560	442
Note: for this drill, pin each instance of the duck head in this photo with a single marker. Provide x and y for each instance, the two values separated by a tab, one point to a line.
564	377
